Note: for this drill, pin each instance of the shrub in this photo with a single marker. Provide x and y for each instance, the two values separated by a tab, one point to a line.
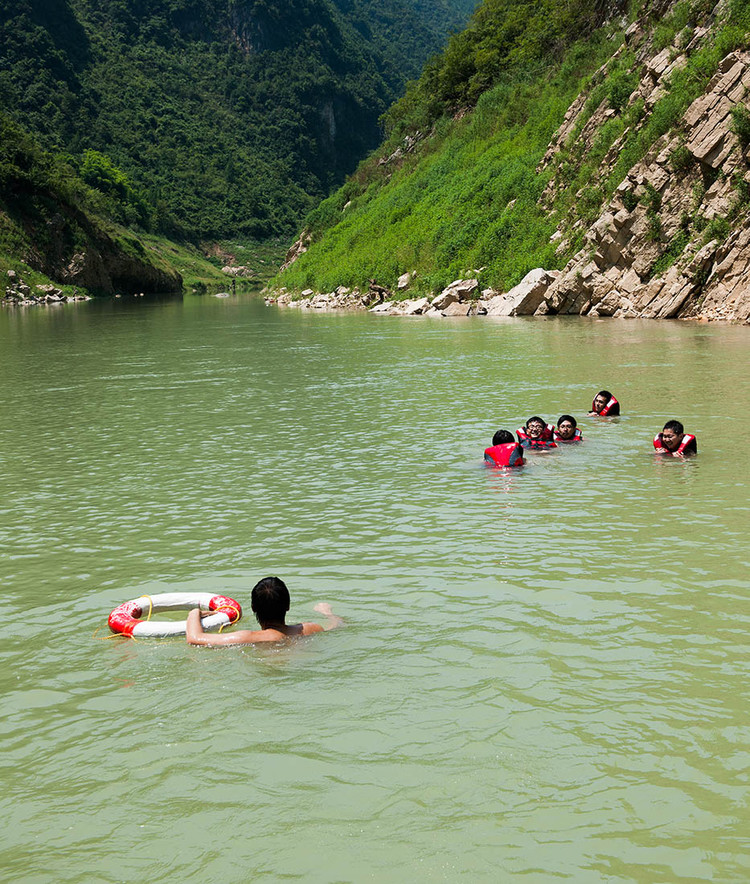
674	250
630	200
620	87
741	124
681	159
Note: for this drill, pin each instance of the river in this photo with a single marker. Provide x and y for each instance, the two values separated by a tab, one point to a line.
543	675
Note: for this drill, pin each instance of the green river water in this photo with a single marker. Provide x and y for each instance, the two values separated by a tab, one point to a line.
543	677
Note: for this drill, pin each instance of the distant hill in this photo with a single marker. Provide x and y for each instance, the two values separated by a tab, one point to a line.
225	117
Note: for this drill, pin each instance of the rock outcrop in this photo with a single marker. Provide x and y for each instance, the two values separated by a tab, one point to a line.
648	254
298	247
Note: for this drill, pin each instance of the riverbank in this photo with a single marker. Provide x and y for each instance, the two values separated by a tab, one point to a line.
549	292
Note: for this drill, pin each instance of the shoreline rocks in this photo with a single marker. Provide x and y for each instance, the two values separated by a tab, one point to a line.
19	294
462	297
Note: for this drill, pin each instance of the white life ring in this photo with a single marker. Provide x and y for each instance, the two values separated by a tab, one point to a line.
125	618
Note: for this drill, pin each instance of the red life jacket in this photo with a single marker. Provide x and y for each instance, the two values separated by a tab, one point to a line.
547	434
577	436
611	408
687	440
509	454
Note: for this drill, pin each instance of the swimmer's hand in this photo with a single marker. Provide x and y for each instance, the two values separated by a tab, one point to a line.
661	451
325	609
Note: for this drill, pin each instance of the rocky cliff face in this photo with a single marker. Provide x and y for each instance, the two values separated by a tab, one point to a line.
78	252
651	253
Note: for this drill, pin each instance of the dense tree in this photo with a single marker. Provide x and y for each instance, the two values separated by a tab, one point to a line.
224	117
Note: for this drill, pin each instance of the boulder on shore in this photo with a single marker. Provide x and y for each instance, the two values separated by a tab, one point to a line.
525	298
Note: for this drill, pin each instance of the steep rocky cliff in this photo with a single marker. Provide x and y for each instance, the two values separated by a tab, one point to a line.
684	205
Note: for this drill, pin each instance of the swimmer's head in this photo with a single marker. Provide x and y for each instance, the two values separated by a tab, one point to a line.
672	434
535	426
503	437
601	399
566	426
270	600
675	426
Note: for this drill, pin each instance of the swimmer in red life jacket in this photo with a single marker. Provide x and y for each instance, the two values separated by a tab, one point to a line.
605	404
536	434
505	451
674	441
567	430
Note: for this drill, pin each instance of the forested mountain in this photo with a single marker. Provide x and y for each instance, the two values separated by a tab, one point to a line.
212	118
606	140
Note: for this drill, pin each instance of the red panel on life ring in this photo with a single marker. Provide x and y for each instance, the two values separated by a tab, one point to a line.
125	617
226	605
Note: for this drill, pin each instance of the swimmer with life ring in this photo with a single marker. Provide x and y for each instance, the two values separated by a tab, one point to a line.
504	451
605	405
536	434
270	603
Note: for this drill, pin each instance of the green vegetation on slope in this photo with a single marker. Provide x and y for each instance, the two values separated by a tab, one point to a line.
52	223
468	197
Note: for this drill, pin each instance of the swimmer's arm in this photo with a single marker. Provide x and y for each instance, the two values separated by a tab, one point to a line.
332	620
195	634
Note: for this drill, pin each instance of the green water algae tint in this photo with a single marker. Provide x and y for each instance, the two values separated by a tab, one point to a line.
544	673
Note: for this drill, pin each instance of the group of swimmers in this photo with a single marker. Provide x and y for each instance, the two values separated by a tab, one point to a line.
270	600
537	435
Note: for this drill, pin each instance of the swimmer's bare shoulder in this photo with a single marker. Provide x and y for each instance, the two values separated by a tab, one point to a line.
195	634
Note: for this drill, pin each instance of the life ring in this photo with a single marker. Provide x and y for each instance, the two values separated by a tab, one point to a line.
125	618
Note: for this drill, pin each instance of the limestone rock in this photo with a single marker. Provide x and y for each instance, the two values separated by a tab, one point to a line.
462	289
525	298
298	248
458	308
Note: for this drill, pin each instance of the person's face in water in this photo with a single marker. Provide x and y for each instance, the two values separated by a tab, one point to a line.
671	440
535	429
566	430
599	403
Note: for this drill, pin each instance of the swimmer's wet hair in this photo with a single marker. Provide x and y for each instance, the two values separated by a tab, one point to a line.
270	600
536	419
675	426
502	437
605	393
567	417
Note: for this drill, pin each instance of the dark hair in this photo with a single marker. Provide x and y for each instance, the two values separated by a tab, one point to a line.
604	393
270	600
537	419
567	417
675	426
502	437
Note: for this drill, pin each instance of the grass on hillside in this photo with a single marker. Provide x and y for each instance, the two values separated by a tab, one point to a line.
201	267
467	201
